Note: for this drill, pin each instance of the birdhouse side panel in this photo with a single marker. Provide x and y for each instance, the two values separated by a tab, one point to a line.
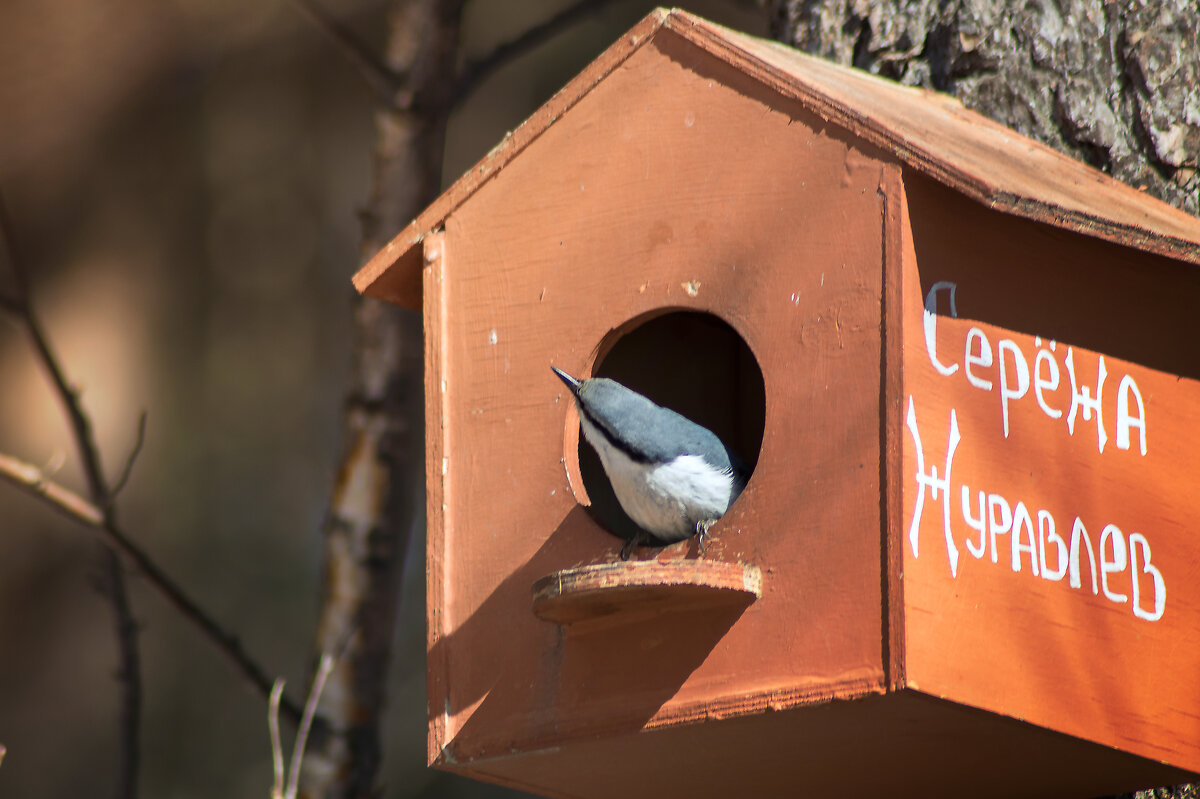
1051	567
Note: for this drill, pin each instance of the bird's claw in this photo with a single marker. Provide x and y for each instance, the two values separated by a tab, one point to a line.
630	545
702	536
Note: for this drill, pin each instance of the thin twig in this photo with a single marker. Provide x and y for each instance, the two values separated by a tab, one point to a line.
129	674
277	785
89	454
29	478
69	398
476	72
310	711
67	395
99	513
383	82
279	788
127	469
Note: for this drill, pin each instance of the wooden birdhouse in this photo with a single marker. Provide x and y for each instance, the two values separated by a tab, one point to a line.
963	367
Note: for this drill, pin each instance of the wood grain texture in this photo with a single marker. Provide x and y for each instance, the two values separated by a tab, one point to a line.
1076	658
392	274
1108	89
936	135
613	594
929	132
436	501
635	201
811	210
897	251
905	744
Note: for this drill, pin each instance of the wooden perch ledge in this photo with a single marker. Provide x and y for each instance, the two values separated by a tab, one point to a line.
615	592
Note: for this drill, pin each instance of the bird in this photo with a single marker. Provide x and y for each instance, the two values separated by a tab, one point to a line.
672	477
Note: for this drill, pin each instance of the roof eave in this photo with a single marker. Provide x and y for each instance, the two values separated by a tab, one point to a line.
394	273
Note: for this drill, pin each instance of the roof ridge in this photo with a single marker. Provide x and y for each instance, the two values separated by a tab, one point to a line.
926	131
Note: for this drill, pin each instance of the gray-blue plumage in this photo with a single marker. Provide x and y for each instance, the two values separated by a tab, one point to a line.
672	477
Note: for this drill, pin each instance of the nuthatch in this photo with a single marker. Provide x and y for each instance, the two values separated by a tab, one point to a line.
673	477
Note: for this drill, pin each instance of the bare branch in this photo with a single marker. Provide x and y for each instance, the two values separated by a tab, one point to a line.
80	426
281	789
130	670
366	533
324	669
29	478
100	514
127	469
383	82
129	674
277	785
480	70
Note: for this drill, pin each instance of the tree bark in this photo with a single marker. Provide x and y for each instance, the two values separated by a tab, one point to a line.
372	508
1112	84
1109	83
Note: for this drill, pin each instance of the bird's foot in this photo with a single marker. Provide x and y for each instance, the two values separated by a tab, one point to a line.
631	543
703	538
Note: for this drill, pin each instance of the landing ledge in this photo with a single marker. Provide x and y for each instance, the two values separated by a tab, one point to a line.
615	592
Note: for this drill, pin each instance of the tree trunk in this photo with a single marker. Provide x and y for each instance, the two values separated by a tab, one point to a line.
1112	84
372	508
1109	83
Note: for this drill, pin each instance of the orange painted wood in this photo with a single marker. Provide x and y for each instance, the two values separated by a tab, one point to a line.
929	132
640	199
392	274
905	744
1111	655
895	255
616	593
437	439
812	209
934	134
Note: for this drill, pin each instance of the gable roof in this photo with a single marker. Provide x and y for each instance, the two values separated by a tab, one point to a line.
929	132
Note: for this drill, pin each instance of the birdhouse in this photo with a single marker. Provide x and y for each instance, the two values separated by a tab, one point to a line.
961	367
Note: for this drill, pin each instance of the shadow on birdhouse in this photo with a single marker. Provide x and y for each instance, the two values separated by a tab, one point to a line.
961	366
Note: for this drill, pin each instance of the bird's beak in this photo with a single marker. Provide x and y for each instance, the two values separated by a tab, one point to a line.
571	382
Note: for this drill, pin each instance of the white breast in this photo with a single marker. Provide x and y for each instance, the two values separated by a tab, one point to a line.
666	500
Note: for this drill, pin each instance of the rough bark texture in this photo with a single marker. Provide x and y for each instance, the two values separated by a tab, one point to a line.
1113	84
373	504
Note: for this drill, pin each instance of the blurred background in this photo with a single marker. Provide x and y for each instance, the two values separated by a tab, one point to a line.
184	178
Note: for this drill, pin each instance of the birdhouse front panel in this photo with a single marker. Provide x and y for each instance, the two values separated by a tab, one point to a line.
1048	420
676	184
